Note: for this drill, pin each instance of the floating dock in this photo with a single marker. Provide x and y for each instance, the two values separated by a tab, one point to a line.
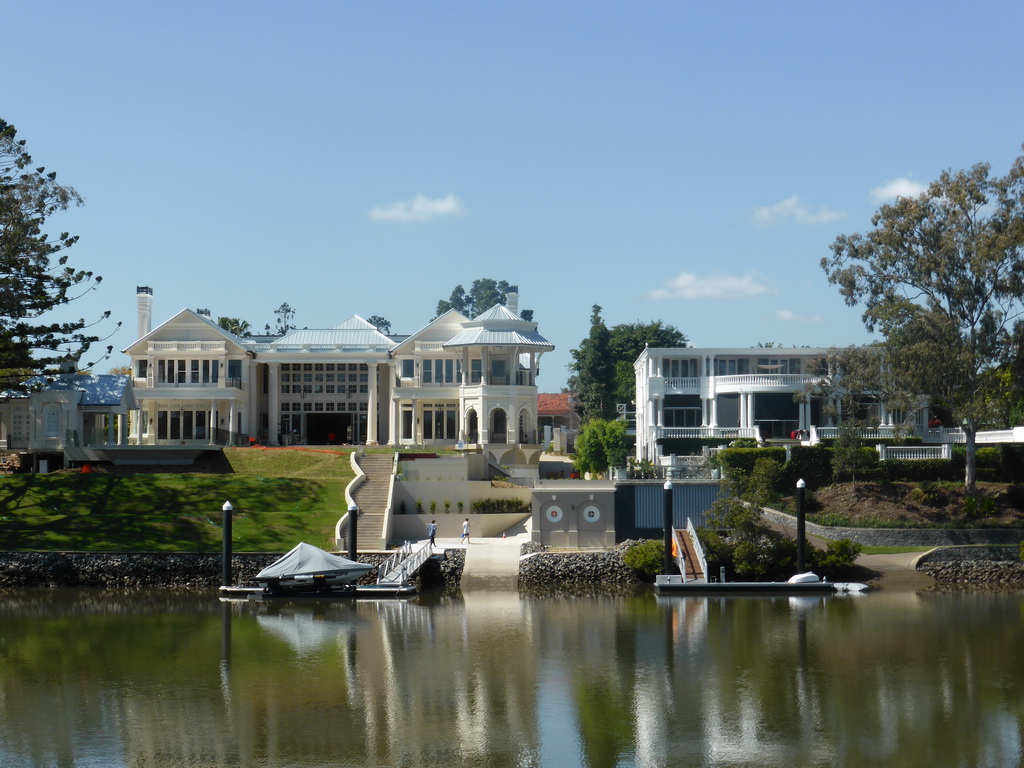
362	592
675	585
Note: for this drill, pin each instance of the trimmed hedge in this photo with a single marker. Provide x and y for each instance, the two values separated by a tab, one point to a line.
742	459
500	506
690	446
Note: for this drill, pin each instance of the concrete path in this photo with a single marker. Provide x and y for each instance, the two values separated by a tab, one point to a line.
491	563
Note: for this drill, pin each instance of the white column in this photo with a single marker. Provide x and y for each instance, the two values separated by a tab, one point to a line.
273	402
213	420
231	423
371	416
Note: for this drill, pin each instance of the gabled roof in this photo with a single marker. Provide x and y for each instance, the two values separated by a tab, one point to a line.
440	329
192	323
498	326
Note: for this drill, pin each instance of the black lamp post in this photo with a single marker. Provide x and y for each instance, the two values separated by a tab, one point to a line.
801	488
227	509
353	521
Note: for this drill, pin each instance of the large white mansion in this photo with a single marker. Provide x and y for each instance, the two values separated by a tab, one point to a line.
758	393
455	381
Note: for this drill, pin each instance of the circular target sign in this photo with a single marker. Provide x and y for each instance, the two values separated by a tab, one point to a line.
554	514
591	513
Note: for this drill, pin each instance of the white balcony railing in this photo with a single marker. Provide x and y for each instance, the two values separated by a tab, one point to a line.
187	346
787	381
699	432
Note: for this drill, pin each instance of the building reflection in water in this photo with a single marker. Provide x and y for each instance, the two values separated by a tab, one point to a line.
497	679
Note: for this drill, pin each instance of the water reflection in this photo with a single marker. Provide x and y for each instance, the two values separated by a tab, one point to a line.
493	679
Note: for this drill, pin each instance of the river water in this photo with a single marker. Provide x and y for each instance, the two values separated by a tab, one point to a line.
499	679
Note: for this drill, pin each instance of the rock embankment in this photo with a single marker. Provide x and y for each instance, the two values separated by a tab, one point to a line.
113	570
190	571
974	567
598	568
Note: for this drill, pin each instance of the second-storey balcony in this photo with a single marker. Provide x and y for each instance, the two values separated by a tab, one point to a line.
765	382
152	383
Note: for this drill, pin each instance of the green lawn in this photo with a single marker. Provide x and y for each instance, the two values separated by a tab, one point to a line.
280	497
866	550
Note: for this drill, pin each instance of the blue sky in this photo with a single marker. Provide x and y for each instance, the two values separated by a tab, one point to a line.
688	162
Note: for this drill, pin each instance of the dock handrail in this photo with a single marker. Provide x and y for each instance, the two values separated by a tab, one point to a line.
697	547
403	563
680	549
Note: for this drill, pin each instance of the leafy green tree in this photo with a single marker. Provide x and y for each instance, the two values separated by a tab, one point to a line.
941	276
35	277
601	372
626	342
849	456
381	324
483	294
235	325
601	444
592	370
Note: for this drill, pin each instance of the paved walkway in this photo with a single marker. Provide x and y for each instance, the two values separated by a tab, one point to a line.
491	563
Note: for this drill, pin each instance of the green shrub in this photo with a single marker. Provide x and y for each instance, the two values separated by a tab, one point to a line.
978	507
741	460
1020	551
812	464
646	557
928	493
837	560
501	506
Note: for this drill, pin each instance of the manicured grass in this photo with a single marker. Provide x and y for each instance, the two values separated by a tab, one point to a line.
280	497
866	550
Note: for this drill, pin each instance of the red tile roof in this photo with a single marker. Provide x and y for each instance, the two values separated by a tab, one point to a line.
549	405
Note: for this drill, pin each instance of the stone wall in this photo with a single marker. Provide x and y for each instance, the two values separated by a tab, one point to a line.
173	570
903	537
603	568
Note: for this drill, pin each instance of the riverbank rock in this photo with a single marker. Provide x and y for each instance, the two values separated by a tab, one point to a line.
975	567
563	568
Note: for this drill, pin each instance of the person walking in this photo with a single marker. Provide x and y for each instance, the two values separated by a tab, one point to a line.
432	531
465	531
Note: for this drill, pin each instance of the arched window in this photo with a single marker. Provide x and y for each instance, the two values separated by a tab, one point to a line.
472	427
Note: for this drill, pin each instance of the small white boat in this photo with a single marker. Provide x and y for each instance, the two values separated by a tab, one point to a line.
310	569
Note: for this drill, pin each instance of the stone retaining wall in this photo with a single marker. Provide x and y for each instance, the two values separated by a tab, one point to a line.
903	537
113	570
597	568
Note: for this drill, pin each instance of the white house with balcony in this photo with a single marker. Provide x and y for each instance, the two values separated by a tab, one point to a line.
758	393
457	381
463	382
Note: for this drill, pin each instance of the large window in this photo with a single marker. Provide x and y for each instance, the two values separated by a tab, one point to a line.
778	365
682	417
436	371
732	366
681	369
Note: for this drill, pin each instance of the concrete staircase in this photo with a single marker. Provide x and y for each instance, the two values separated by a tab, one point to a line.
372	498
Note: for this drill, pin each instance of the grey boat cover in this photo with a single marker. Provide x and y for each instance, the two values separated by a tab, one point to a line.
307	559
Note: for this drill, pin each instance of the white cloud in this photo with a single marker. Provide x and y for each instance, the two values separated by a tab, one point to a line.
792	208
419	208
789	316
688	286
897	188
